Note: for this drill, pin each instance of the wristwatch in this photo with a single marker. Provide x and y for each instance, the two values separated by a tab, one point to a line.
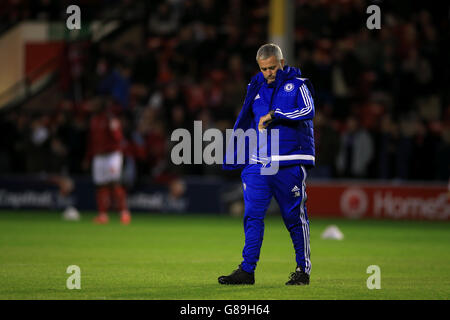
272	114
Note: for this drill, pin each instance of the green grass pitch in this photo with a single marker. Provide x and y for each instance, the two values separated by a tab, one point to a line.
178	257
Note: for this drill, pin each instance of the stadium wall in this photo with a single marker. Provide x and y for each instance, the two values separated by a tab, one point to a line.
335	199
379	200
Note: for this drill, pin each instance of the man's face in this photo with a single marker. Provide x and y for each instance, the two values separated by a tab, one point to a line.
269	67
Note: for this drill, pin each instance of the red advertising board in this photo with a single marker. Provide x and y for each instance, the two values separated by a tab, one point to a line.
42	58
383	201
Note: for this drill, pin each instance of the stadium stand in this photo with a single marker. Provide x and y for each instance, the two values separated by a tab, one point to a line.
180	61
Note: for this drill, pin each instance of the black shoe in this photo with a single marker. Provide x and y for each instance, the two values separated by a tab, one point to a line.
238	276
298	278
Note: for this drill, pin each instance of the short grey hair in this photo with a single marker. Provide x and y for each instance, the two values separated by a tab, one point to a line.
268	50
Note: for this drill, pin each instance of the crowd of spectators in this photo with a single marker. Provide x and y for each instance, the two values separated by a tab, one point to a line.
15	11
382	96
384	92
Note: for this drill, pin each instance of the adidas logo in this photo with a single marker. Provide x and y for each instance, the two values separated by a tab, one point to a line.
295	188
257	96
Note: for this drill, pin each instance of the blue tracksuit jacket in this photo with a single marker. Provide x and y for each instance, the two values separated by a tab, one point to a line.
290	96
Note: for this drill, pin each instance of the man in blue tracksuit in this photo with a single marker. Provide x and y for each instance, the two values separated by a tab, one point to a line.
278	103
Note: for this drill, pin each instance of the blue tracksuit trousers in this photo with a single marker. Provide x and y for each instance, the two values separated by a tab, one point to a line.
289	189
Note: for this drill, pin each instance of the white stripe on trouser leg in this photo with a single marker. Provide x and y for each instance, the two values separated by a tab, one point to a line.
305	227
305	197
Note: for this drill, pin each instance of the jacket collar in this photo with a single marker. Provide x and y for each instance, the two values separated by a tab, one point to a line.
283	75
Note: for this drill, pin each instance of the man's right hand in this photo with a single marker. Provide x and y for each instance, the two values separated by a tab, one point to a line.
265	120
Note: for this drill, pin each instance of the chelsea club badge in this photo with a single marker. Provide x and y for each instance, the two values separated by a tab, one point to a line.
288	87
